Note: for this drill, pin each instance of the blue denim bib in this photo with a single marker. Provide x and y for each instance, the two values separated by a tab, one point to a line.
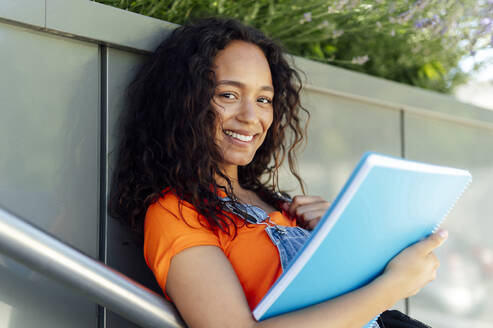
288	240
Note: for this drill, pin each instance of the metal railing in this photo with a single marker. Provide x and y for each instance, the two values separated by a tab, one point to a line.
99	283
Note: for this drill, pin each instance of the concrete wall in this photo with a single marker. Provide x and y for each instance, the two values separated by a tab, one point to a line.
63	68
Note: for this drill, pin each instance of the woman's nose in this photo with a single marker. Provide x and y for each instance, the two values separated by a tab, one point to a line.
247	112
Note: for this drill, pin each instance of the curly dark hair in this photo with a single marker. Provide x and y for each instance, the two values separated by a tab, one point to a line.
168	127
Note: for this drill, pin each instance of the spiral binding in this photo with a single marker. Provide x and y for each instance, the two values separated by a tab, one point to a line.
452	206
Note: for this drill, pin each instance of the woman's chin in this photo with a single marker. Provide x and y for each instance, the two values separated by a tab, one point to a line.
239	161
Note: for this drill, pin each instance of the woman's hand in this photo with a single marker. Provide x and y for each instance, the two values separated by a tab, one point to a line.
415	266
307	210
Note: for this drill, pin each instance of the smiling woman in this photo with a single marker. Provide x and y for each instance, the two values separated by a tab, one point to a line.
210	118
243	103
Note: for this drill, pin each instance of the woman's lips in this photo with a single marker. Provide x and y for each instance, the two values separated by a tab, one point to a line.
240	136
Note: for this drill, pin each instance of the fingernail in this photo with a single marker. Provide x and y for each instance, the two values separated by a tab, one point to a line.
443	233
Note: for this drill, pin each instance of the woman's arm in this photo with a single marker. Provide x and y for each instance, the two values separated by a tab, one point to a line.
205	289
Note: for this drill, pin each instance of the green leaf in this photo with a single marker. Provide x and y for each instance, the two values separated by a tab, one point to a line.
423	51
329	49
316	50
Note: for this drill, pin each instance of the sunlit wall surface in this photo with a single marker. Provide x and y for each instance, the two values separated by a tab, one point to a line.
64	66
351	114
49	166
461	296
340	131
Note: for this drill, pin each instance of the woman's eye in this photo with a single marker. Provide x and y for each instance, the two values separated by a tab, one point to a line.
228	95
264	100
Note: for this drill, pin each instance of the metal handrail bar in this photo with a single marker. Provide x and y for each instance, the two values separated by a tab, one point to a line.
43	253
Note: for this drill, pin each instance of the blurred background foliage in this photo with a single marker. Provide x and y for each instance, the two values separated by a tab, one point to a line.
416	42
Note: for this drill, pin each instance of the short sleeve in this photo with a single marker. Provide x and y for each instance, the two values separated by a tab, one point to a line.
166	234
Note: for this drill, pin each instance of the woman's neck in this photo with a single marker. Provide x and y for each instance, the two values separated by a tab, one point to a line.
243	195
232	173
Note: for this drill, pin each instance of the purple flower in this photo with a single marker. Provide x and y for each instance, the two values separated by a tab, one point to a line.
422	23
353	4
341	4
392	33
421	4
391	8
485	21
307	16
435	19
337	33
405	16
360	60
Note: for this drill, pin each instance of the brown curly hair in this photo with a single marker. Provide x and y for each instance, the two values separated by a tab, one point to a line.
168	127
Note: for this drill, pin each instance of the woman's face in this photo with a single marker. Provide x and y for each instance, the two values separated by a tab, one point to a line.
243	101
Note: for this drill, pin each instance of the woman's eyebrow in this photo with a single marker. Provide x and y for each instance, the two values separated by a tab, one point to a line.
242	85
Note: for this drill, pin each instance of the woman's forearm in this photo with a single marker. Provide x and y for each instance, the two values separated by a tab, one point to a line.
404	276
354	309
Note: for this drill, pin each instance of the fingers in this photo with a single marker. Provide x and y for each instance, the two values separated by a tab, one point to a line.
310	211
301	200
307	209
310	218
434	260
311	224
433	264
417	265
433	241
303	204
430	266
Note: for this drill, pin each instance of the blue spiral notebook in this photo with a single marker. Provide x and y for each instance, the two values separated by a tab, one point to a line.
386	205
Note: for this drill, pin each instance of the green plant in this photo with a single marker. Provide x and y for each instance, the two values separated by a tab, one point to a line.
414	42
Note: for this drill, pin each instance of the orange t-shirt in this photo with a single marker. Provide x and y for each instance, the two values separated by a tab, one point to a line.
252	254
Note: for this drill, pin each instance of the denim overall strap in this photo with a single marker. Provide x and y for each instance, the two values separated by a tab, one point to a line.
288	240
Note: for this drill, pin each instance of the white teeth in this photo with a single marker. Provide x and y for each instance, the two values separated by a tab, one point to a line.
238	136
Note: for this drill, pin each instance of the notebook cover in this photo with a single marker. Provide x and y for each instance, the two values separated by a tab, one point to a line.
386	205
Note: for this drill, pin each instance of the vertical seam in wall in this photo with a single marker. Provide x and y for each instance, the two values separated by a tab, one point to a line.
46	3
403	155
402	130
103	166
103	162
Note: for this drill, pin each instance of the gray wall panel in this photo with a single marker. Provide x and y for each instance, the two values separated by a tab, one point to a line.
461	296
93	20
24	11
340	130
121	252
388	93
49	146
49	141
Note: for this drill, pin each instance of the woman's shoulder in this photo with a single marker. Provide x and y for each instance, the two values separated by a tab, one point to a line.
171	210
